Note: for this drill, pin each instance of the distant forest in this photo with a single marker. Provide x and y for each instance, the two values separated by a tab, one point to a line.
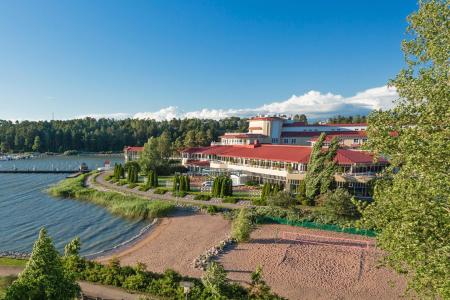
105	135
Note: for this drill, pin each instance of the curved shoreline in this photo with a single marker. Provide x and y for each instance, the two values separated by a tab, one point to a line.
142	235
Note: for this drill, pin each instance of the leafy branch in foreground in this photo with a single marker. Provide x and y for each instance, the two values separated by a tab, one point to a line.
411	203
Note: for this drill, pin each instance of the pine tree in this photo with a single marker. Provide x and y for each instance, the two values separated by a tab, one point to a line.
44	276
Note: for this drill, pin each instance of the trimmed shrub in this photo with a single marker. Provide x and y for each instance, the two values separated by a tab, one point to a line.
241	226
202	197
160	191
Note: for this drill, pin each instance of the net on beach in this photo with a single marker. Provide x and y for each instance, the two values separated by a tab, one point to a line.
313	225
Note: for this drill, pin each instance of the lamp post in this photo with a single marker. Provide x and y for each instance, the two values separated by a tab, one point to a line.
187	285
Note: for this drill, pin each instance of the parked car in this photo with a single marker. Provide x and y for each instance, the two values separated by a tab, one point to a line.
208	183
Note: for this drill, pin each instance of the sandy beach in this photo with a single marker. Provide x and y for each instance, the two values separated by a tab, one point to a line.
301	270
175	242
323	267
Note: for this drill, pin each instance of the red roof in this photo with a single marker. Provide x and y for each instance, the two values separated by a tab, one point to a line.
134	148
286	153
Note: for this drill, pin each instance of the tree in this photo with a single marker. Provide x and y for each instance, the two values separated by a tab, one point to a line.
44	276
156	154
339	205
411	207
259	288
215	279
301	118
37	144
282	199
329	168
315	167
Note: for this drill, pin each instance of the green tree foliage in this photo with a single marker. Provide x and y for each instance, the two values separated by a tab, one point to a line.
181	183
329	167
301	118
347	120
152	179
242	226
319	177
339	206
411	205
44	276
215	279
259	288
281	199
222	187
133	168
36	144
119	171
269	189
110	135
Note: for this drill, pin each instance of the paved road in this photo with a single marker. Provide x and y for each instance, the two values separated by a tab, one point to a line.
89	289
101	184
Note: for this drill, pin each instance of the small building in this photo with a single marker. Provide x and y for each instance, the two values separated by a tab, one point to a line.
132	153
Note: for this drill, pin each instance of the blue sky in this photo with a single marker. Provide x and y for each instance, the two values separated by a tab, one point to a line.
182	58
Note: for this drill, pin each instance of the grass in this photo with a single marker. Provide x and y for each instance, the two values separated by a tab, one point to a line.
124	205
4	283
12	262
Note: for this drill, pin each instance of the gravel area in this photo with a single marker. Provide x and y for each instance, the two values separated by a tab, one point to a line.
310	270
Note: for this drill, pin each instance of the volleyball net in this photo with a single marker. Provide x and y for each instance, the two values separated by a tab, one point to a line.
315	239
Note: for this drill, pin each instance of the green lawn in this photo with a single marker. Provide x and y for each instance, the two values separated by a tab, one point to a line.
12	262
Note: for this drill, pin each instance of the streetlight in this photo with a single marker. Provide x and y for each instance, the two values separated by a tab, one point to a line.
187	285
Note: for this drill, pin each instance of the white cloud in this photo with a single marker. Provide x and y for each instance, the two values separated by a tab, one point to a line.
314	104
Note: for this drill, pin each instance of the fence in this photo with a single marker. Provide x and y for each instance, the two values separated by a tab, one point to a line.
313	225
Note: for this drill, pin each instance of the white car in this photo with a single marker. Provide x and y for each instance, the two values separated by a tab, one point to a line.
207	184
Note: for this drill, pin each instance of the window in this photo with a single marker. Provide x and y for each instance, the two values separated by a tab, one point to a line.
275	140
286	141
356	141
364	140
293	141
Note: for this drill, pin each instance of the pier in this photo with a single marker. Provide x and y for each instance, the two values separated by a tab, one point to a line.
39	171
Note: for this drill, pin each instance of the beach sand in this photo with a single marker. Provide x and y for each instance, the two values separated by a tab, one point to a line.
313	270
175	242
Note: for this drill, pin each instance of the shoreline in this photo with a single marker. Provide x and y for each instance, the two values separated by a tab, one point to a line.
142	235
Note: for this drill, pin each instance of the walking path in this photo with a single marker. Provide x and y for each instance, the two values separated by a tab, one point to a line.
98	182
89	289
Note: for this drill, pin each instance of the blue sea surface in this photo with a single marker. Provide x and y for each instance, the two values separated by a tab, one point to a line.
25	207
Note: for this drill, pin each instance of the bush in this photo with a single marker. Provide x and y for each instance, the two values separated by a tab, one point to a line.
160	191
241	226
212	209
202	197
143	188
179	194
282	199
122	182
132	185
230	199
338	205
